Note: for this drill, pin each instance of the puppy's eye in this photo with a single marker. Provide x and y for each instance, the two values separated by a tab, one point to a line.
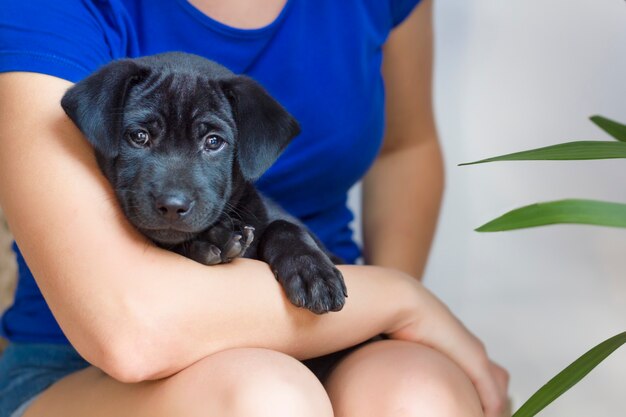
139	138
213	143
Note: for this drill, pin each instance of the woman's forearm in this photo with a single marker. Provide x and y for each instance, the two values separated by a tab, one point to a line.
207	309
135	310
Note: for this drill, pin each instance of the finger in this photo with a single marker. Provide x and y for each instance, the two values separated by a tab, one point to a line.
491	396
501	376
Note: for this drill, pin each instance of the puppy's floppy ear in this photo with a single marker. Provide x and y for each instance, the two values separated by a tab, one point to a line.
95	103
264	127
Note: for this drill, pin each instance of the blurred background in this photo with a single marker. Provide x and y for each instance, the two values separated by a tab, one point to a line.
510	76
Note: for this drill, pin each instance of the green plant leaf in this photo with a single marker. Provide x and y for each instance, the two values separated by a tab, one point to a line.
569	376
592	212
617	130
565	151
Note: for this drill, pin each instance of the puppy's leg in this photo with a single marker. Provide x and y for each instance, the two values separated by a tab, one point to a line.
306	273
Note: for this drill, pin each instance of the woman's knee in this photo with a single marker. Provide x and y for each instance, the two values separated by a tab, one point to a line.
250	383
394	378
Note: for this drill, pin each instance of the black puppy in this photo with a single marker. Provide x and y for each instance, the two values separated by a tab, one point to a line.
182	139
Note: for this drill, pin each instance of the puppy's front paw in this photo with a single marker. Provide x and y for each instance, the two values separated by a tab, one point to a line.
238	243
311	281
221	247
204	252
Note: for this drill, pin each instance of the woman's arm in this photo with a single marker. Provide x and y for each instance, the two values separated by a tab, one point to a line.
130	308
402	191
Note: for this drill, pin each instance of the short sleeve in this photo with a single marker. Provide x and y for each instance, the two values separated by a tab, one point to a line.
401	9
64	38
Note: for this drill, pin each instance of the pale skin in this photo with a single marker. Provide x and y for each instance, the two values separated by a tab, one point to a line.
168	336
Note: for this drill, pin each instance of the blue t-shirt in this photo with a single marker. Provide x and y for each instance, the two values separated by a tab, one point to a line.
321	59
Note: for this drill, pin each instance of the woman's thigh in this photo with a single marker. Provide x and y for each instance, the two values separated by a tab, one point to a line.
238	382
393	378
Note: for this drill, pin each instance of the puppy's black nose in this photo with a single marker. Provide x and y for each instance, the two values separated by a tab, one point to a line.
172	206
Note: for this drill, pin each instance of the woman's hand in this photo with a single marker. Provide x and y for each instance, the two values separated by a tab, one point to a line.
431	323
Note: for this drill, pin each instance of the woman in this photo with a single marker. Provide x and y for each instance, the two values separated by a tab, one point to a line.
163	335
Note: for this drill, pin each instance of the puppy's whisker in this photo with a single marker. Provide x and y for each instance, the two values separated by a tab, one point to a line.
234	210
239	211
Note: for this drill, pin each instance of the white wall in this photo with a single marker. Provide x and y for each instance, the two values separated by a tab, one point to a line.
513	75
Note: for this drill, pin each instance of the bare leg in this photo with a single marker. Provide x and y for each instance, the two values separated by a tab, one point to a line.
233	383
394	378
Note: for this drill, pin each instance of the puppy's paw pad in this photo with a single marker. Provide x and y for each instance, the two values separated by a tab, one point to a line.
232	249
203	252
248	236
238	243
213	256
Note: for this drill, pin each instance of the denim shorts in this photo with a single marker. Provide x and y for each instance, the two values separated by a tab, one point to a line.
27	369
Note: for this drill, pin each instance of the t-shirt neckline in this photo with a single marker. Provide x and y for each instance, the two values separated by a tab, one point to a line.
232	31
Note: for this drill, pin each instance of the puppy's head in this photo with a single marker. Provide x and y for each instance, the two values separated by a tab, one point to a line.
176	135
